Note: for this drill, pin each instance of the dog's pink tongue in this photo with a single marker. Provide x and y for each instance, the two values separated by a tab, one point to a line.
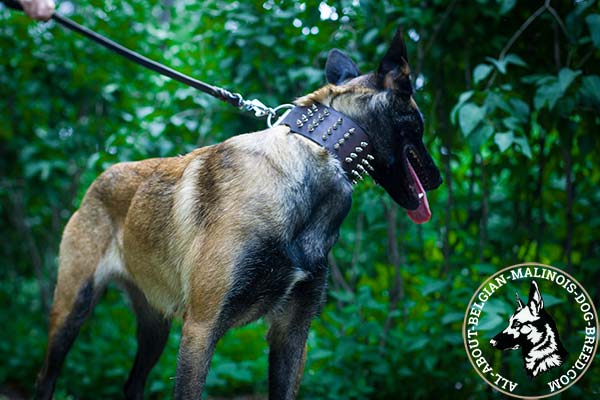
422	214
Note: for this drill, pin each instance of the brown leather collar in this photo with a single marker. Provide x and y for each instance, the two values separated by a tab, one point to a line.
334	131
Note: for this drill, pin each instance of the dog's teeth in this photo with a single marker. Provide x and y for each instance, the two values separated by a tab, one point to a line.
364	144
358	149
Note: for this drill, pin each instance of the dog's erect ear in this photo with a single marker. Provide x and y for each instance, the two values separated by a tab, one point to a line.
520	304
535	303
393	71
339	67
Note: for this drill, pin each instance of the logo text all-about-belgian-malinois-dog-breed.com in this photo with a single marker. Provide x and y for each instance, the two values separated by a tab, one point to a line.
240	230
535	348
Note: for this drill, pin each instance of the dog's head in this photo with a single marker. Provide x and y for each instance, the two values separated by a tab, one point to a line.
525	325
381	103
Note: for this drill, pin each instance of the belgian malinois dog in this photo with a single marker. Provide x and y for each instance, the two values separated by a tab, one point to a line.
239	230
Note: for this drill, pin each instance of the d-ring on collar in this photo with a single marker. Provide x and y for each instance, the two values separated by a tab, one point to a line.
336	132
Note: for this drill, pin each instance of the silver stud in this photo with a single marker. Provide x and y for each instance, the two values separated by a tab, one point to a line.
334	127
299	124
355	173
309	112
336	146
314	107
341	141
361	169
324	137
321	117
315	122
353	155
348	160
304	118
346	135
364	144
354	182
329	131
339	121
311	128
326	112
358	149
351	130
366	163
370	157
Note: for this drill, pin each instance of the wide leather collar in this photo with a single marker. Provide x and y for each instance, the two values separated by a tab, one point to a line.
337	133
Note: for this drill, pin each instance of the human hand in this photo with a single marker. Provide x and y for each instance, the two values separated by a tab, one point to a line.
38	9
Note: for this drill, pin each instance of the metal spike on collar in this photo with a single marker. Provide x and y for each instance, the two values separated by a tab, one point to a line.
314	107
364	144
304	118
370	157
309	112
358	149
353	155
299	124
366	163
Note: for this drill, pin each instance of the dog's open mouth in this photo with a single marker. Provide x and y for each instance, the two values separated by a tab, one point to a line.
422	213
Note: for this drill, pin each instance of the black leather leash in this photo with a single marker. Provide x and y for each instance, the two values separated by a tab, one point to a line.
235	99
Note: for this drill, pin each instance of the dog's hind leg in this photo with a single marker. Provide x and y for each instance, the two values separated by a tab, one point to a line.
86	238
152	334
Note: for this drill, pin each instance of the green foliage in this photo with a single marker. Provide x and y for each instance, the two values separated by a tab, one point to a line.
512	116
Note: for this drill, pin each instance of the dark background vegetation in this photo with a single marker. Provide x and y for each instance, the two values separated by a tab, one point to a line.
510	92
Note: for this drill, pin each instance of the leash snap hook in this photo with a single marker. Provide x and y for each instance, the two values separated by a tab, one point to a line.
260	110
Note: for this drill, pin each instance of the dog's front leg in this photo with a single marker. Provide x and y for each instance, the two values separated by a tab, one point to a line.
198	339
287	339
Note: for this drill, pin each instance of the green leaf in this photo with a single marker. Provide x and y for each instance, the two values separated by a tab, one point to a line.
523	145
479	136
566	77
515	60
590	90
593	22
464	97
469	117
506	6
481	72
504	140
499	64
547	95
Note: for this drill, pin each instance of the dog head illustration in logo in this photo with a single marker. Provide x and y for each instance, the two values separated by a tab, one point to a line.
533	330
